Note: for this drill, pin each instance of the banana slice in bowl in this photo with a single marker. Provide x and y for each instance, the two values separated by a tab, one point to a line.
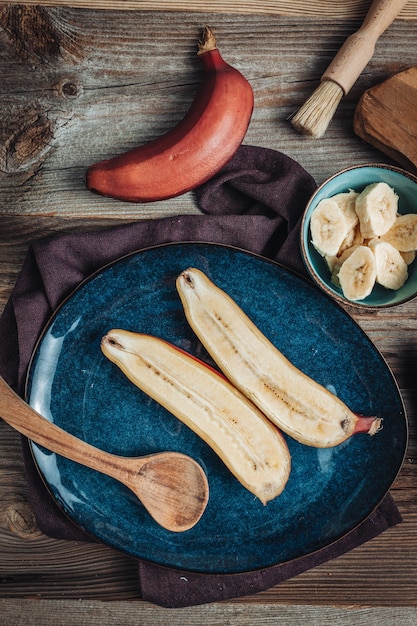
359	236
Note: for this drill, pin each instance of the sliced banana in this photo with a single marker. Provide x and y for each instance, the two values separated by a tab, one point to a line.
403	233
408	256
346	202
328	227
371	218
391	269
331	260
338	262
353	238
377	209
357	274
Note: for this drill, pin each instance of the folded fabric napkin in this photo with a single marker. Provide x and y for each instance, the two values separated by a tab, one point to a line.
255	203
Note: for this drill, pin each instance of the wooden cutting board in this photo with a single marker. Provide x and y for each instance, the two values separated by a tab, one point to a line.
386	117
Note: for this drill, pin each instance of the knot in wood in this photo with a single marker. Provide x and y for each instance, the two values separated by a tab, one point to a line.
29	136
68	88
21	521
38	34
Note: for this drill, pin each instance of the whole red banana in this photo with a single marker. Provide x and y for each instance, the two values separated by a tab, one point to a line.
191	152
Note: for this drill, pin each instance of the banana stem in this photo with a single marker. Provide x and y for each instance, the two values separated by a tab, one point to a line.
207	42
369	425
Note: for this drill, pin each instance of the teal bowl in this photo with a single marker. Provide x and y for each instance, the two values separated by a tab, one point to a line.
357	178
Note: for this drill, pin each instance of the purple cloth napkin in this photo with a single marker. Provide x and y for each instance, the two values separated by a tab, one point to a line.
255	203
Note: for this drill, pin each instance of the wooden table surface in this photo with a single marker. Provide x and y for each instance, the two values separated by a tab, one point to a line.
78	85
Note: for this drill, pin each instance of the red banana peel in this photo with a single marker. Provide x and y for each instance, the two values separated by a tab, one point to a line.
193	151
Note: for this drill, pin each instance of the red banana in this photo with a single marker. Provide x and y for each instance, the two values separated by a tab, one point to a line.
193	151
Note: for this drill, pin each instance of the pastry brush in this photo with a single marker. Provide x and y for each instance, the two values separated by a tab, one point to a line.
316	113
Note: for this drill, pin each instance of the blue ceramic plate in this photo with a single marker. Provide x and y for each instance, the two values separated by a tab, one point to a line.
330	491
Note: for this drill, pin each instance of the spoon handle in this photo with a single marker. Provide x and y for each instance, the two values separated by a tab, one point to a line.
18	414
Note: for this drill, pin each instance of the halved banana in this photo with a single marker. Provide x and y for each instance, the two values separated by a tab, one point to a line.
293	401
250	446
328	227
357	274
391	269
377	209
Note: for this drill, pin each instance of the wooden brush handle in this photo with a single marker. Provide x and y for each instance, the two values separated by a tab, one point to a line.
358	49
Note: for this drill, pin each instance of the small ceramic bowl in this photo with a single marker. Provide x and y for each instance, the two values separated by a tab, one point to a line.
357	178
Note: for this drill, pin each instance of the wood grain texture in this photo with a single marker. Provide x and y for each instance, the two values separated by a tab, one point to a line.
385	117
79	85
130	614
110	111
293	8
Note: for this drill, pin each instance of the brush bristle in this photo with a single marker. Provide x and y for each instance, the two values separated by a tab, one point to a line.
316	113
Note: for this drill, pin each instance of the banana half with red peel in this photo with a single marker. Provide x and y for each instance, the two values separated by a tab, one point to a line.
250	446
191	152
294	402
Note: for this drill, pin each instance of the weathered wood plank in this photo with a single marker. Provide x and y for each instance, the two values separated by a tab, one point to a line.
129	614
73	107
295	8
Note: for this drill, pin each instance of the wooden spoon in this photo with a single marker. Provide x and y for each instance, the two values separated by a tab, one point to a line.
172	486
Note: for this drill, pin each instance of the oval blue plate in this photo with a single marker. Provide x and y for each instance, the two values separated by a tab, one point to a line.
330	491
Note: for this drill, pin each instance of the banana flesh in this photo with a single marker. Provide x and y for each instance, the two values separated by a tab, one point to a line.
293	401
329	228
391	268
250	446
403	233
377	207
357	274
408	256
347	204
371	218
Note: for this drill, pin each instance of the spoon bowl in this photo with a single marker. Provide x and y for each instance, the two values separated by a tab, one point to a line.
171	486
